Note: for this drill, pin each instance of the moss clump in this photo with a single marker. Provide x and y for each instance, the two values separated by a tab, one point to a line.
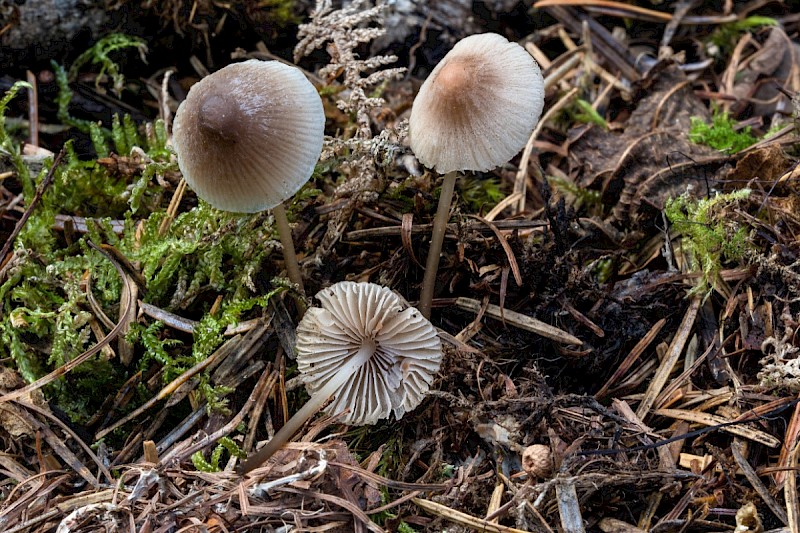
708	236
720	134
212	465
480	194
55	280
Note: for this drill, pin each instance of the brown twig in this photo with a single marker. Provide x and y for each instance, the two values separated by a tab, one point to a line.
46	182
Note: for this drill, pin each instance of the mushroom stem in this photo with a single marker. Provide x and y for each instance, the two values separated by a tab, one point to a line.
289	255
437	238
309	409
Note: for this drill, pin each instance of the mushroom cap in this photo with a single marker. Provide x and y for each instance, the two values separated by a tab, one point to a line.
248	135
478	107
397	376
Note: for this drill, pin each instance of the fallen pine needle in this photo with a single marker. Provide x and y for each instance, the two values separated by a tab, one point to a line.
457	517
674	352
521	321
725	425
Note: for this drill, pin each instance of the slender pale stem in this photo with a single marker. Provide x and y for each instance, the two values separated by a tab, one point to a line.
289	255
437	238
310	408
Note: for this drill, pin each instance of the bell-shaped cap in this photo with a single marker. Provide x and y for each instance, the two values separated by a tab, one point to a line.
478	107
249	135
407	351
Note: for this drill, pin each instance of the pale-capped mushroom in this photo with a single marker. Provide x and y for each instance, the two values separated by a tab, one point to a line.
474	112
248	137
369	350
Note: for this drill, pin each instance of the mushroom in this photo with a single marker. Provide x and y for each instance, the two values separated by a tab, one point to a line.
369	350
248	137
475	111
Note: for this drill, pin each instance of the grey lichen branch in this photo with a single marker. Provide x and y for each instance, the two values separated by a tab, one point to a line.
343	30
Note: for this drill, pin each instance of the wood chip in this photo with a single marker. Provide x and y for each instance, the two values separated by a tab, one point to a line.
714	420
756	483
569	508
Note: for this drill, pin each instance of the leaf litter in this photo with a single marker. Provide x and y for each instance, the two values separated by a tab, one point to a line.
665	391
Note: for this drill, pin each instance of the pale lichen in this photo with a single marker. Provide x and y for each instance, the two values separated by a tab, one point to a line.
361	156
781	364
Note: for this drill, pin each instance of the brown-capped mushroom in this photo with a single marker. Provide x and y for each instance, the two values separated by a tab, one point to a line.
248	137
367	349
474	112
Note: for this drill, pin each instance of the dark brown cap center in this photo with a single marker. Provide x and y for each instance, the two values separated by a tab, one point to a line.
221	117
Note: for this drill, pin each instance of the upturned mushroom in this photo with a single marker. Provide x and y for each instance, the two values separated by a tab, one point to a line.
365	348
248	137
474	112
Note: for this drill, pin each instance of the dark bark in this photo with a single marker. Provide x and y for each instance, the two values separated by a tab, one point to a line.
40	30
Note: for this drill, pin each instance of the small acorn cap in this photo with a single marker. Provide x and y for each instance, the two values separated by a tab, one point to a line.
249	135
478	107
537	460
400	348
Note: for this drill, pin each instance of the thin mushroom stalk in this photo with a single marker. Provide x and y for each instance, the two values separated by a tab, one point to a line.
437	239
289	254
312	407
474	112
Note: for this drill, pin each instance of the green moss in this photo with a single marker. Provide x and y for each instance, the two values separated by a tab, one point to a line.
124	134
85	188
709	238
280	12
403	194
303	197
447	472
582	196
156	345
726	35
77	395
212	465
63	100
44	308
480	194
720	134
582	111
100	55
603	269
203	249
7	144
